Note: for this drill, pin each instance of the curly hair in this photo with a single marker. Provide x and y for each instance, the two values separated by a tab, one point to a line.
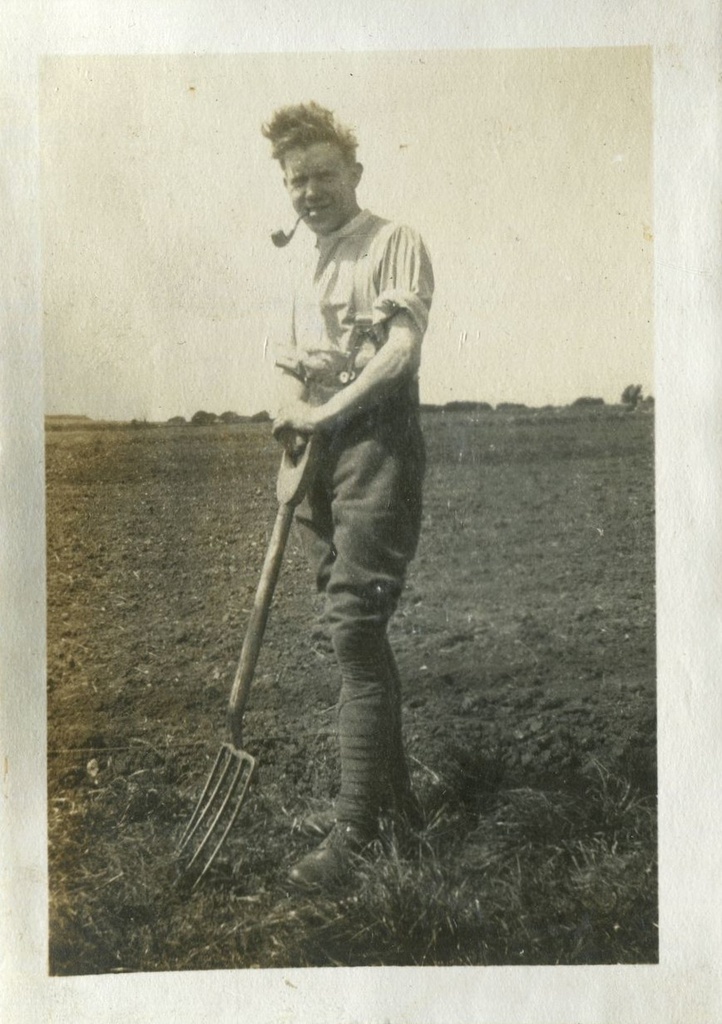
306	124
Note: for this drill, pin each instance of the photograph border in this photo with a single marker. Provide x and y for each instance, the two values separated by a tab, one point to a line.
685	985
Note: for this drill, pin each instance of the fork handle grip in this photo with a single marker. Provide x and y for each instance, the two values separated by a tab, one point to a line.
257	623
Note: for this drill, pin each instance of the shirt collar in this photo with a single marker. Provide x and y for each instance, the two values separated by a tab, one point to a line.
324	242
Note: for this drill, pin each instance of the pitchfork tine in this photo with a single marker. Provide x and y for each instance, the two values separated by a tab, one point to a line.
229	824
224	803
201	805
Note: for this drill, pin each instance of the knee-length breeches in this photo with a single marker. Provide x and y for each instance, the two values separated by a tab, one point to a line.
361	522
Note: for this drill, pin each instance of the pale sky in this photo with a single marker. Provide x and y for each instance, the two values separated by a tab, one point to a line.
528	173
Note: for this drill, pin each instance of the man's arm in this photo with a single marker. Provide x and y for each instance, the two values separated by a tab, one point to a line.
290	392
396	361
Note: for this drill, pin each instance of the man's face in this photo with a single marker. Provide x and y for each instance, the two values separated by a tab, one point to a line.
322	186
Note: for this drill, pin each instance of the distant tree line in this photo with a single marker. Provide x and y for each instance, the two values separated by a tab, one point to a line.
631	399
205	419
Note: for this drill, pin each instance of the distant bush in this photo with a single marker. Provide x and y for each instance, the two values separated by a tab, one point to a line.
631	395
511	407
260	417
231	417
176	421
586	400
203	419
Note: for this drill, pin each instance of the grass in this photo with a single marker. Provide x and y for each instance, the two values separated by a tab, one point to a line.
505	874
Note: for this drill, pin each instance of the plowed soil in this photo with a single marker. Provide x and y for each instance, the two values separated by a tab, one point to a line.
526	632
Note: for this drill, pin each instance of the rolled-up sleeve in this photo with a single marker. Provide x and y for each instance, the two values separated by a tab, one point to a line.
404	278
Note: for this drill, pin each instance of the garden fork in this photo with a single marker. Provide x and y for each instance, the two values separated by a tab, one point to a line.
227	785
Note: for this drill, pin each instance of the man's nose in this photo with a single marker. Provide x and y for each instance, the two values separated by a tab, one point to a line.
311	188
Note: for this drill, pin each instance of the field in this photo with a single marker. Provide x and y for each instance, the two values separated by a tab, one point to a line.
526	643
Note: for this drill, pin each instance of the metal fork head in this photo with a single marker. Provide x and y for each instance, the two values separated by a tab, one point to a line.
215	812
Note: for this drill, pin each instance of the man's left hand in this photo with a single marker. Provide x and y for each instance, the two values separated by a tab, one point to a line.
296	417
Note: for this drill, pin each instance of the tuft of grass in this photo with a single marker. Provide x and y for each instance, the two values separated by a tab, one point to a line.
534	882
521	875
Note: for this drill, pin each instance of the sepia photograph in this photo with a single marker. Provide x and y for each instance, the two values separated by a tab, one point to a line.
401	713
359	436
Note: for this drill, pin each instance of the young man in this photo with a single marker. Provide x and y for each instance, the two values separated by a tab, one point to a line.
349	377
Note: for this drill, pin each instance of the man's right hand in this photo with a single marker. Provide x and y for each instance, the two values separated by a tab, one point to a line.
292	441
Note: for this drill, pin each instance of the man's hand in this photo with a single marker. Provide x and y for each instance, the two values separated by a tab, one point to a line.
296	417
294	423
294	444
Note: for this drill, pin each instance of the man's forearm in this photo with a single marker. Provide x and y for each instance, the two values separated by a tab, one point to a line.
397	361
290	391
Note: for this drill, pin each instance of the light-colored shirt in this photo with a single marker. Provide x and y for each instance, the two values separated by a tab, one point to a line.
357	279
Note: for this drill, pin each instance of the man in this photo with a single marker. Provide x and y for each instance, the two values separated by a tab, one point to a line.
349	377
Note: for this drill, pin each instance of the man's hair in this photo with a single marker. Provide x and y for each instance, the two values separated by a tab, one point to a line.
304	125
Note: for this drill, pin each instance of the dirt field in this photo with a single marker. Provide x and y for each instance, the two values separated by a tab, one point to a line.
525	639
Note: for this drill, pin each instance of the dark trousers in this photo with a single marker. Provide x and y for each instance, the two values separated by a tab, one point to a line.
361	522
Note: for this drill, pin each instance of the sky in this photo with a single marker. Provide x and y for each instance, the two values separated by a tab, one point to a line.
527	172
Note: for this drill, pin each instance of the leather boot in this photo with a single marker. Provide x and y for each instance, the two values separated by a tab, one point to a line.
331	863
319	823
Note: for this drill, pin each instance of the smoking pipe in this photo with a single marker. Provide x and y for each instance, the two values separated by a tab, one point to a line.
281	239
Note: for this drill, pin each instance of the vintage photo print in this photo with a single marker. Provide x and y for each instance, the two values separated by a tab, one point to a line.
357	468
525	634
